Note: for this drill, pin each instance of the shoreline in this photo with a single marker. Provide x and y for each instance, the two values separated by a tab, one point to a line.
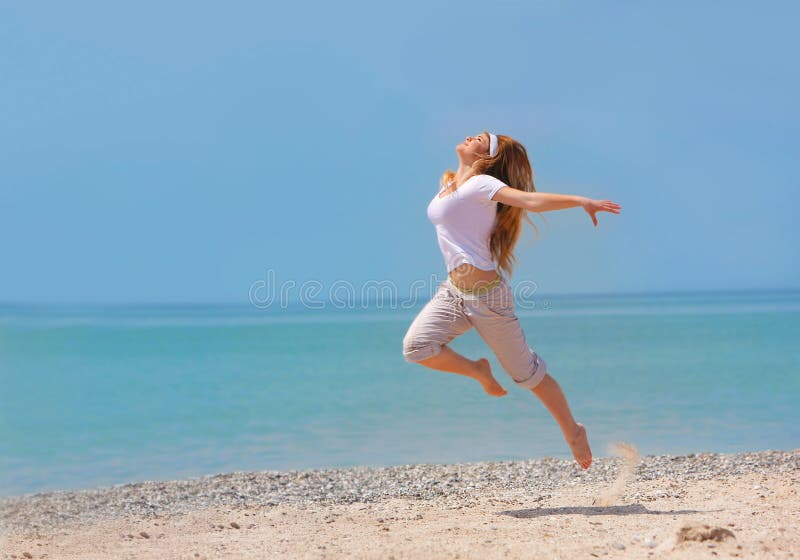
363	484
294	513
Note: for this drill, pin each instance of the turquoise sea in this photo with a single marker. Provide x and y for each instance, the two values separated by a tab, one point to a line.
100	395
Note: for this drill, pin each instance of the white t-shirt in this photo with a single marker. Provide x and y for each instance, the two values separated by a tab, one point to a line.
464	220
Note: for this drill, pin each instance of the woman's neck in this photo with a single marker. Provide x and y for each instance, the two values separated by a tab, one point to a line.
464	172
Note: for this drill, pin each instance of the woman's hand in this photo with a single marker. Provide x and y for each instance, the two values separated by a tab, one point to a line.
592	207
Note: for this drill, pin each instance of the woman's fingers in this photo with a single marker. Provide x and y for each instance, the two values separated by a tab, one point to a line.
609	206
601	206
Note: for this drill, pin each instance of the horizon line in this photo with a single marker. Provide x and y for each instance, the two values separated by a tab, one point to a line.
221	303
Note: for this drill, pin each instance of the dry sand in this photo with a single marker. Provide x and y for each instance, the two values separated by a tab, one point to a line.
749	502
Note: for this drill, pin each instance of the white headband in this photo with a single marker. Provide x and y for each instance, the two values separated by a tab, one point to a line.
492	145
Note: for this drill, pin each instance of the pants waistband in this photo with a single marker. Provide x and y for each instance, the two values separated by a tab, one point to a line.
477	291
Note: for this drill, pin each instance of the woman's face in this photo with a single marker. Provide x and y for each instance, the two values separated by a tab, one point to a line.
472	146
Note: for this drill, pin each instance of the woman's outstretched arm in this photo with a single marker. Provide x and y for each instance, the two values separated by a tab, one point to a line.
547	202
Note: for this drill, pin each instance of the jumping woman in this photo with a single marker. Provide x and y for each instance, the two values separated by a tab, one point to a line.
478	217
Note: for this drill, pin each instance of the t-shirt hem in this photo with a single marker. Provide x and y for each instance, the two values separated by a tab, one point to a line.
493	266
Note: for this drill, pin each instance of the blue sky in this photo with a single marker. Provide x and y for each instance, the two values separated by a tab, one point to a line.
175	152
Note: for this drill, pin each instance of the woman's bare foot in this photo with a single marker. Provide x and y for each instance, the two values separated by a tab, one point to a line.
484	375
579	444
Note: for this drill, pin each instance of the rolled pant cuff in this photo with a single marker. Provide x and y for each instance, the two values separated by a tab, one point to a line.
537	375
422	353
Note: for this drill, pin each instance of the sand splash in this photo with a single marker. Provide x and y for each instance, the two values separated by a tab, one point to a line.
630	458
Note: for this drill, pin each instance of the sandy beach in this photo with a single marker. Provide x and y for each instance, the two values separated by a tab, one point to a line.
743	505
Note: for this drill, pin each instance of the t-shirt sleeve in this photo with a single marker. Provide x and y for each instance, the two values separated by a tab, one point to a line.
487	186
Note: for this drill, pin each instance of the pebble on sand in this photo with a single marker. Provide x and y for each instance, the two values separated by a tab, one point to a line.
702	532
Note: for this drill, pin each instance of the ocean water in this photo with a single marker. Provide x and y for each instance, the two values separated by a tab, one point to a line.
95	396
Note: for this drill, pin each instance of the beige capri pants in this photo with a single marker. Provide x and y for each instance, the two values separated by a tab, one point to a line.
452	312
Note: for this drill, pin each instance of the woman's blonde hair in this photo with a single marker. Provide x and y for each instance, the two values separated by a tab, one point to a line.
510	165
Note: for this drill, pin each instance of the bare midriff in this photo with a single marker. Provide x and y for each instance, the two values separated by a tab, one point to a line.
468	277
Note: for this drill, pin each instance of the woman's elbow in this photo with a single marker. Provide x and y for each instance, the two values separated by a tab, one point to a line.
534	206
